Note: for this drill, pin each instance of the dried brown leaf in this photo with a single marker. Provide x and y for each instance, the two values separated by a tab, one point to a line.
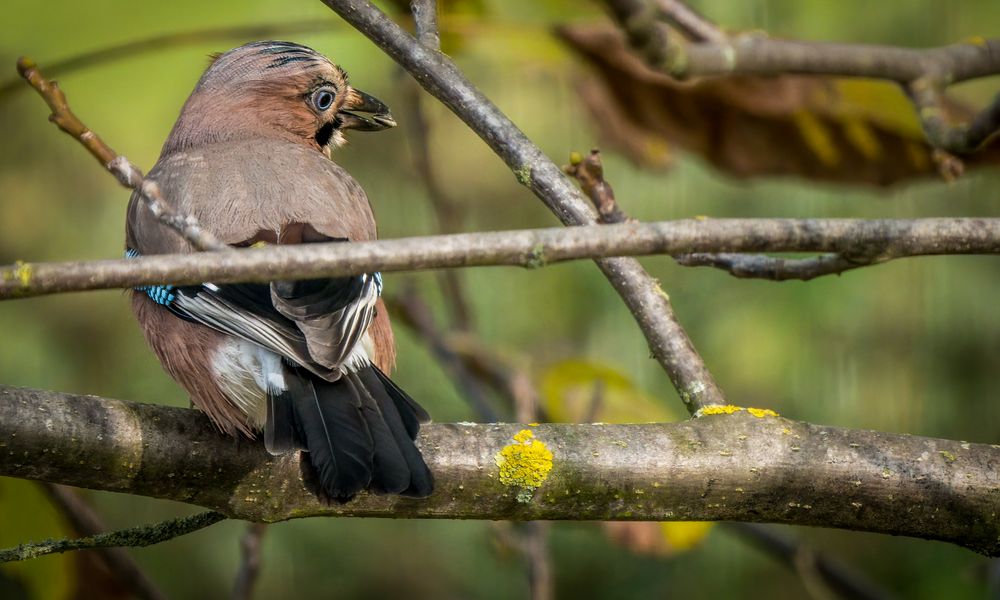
842	130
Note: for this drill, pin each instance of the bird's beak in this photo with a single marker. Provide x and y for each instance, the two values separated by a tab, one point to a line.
360	102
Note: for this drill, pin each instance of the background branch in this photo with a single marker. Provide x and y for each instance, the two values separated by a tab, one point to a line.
250	558
835	575
725	467
87	523
875	241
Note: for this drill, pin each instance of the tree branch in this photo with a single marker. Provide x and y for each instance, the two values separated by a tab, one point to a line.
647	302
776	268
835	575
695	26
924	72
124	171
862	240
85	522
725	467
134	537
250	558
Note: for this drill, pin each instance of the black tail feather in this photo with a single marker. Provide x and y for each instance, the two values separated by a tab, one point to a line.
398	409
358	431
281	429
412	414
340	446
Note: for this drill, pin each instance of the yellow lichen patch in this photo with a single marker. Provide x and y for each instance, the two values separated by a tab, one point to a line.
22	272
524	464
728	409
719	409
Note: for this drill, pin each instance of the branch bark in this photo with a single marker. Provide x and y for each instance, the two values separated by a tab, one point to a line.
859	239
721	467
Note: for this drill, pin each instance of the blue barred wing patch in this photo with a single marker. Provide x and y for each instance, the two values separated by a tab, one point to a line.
163	295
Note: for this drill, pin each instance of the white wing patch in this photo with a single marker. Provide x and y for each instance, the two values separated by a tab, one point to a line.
246	372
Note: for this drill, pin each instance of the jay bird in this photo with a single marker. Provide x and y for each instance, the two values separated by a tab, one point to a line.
304	361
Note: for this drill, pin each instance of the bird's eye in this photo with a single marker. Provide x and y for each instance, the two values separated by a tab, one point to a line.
322	99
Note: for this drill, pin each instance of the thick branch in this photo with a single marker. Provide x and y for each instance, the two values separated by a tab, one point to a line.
722	467
859	239
647	302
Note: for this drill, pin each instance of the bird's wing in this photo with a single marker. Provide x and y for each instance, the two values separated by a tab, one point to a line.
316	323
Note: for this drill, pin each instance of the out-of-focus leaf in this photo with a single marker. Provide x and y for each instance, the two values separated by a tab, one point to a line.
576	391
28	516
658	539
844	130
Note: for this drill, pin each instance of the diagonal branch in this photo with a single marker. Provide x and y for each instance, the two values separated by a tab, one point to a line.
84	521
862	240
127	174
647	302
134	537
734	466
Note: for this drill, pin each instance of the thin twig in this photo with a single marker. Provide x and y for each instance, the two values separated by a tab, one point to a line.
751	266
85	522
928	97
133	537
589	173
863	240
648	304
250	554
127	173
839	577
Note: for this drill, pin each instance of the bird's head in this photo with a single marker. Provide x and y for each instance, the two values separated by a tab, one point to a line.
276	89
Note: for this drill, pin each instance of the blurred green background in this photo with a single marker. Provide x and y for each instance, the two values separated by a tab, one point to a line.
911	346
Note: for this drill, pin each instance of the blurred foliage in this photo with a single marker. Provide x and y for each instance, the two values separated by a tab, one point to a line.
910	346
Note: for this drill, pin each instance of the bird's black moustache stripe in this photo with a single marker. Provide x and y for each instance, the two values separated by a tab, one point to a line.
326	132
